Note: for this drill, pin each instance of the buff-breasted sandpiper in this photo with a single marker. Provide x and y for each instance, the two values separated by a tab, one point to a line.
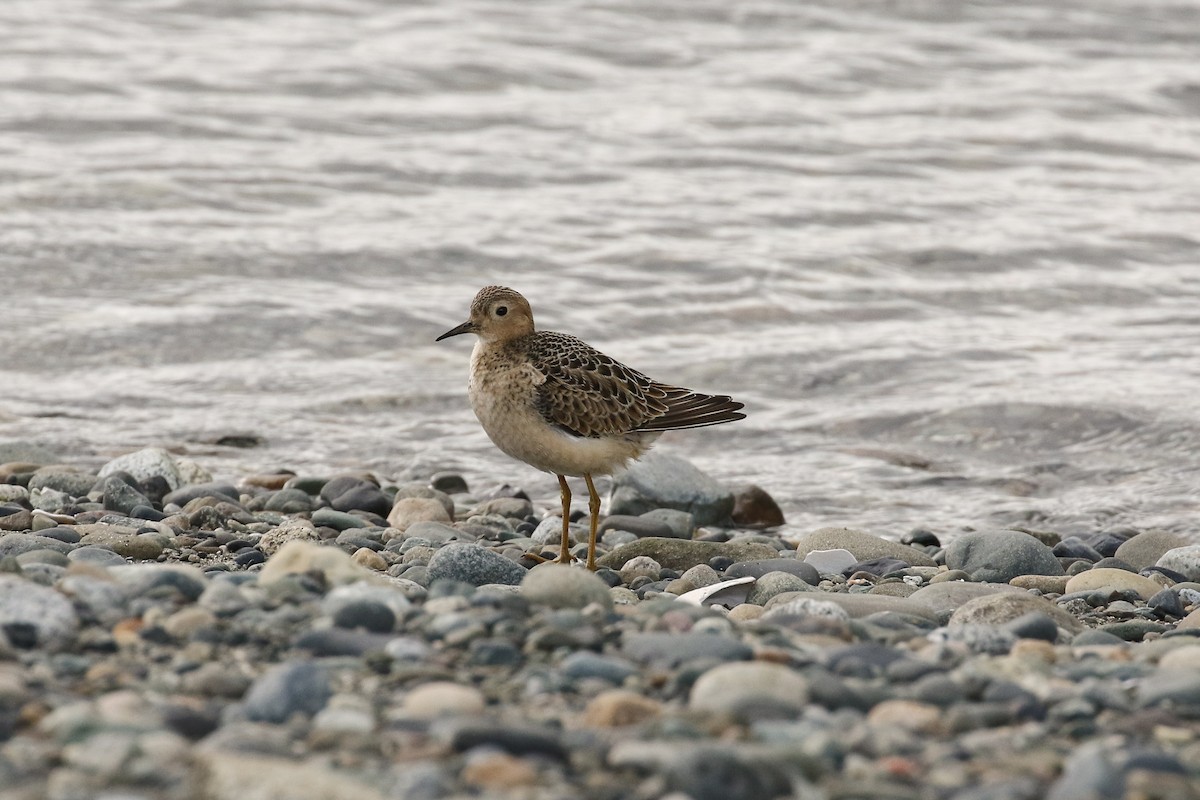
558	404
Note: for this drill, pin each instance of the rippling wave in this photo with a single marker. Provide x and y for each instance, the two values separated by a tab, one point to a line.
946	252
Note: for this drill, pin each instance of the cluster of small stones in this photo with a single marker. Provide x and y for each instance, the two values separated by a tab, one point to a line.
164	635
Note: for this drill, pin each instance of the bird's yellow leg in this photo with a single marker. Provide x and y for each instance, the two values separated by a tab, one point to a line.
564	555
593	519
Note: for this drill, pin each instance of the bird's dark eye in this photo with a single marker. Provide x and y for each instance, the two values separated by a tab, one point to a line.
501	311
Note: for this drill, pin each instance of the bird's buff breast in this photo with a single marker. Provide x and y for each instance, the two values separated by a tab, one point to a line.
502	395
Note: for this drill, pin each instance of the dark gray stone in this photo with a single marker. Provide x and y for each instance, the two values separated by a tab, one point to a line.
338	520
584	664
449	482
337	486
140	579
1033	625
718	774
328	642
517	740
367	497
1167	603
120	496
862	659
365	614
998	556
286	689
186	494
289	501
1074	547
493	653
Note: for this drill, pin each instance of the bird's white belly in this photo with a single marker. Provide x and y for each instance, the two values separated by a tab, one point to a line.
502	397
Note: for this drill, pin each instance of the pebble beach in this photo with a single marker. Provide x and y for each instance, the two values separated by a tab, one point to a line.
165	634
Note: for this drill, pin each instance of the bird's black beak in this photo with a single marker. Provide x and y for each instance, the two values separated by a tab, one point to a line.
466	327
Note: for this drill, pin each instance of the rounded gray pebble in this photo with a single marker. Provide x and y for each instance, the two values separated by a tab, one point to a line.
998	556
561	586
35	616
473	564
99	556
288	688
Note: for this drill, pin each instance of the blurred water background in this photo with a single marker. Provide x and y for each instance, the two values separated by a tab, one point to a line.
946	252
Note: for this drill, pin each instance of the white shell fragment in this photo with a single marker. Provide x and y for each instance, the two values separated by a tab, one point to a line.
726	593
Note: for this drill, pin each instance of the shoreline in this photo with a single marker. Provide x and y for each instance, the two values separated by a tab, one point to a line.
170	636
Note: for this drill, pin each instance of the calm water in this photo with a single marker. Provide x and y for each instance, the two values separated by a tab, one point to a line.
947	253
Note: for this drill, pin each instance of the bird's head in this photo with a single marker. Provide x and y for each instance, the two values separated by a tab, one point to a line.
498	314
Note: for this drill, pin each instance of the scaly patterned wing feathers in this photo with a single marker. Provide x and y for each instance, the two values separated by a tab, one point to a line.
590	394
